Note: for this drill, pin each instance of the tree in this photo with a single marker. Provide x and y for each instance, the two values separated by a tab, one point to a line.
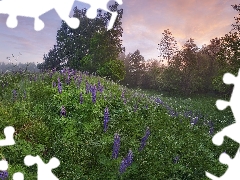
167	46
236	26
113	69
135	68
51	60
90	46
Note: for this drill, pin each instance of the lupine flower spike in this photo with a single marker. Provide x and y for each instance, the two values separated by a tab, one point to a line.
63	112
126	162
94	94
106	119
116	146
144	139
3	175
81	98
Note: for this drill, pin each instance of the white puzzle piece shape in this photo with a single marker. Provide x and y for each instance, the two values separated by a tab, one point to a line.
231	131
36	8
44	170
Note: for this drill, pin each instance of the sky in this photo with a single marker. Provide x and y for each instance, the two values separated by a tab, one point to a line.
143	23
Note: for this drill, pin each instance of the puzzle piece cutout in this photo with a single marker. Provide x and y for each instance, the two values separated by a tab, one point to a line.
3	165
8	141
232	172
230	131
44	170
8	132
36	8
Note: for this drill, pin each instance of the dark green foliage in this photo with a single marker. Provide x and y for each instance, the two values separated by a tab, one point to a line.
89	47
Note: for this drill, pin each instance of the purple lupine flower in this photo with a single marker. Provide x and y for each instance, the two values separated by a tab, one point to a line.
159	101
63	112
50	74
122	95
129	157
116	146
59	87
94	94
211	131
194	121
144	139
53	84
123	166
81	98
173	113
127	161
79	80
3	175
106	119
68	80
175	160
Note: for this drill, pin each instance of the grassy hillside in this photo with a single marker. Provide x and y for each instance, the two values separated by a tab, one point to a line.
179	145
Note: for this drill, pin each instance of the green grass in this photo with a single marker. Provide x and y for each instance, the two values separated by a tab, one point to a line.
85	150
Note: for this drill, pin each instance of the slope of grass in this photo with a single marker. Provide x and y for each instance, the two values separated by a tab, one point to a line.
85	150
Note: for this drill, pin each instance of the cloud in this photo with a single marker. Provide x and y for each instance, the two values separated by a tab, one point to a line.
143	24
144	21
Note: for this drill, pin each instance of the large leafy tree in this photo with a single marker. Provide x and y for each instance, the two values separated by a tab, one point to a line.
167	46
90	45
229	55
134	68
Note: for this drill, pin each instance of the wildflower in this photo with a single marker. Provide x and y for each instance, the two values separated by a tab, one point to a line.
129	158
173	113
81	98
122	95
116	146
68	80
126	162
63	112
106	118
94	93
79	82
194	121
144	139
53	84
175	160
211	131
3	175
59	87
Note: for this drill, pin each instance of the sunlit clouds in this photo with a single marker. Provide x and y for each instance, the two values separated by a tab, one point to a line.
143	23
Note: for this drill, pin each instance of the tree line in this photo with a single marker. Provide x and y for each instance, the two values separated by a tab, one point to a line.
189	70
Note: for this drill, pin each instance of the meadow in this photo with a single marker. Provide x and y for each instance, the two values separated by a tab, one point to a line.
99	129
